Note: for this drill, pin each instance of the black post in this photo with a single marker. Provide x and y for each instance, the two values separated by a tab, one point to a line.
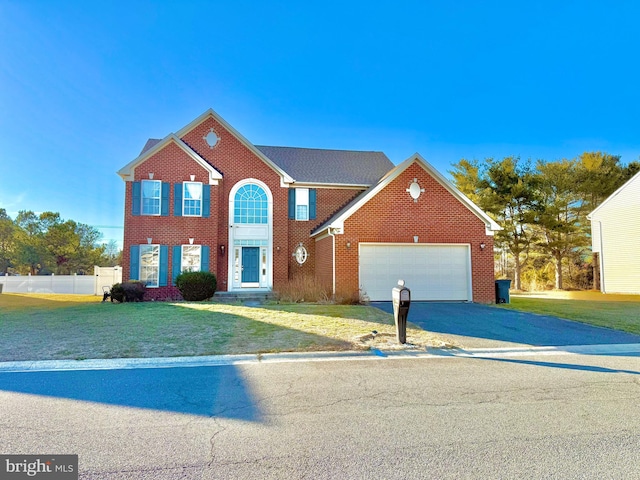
401	297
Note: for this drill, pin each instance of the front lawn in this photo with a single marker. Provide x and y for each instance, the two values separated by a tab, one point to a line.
53	327
609	311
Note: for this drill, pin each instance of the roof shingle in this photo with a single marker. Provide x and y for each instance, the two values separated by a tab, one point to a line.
346	167
314	165
152	142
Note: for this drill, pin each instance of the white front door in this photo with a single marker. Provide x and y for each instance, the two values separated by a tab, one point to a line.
250	236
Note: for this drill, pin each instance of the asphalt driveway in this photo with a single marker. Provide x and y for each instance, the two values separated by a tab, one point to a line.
475	326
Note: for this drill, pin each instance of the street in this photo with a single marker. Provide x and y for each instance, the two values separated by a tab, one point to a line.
534	416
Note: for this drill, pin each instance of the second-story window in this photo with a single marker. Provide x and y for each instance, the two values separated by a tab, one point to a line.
192	199
151	191
302	204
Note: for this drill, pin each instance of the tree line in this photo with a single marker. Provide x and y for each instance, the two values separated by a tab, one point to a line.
46	244
542	207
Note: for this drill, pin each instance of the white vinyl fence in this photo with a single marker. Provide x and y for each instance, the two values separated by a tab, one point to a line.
105	277
77	284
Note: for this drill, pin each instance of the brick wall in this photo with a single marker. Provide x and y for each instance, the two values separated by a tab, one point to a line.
236	163
391	216
437	217
324	262
329	200
172	165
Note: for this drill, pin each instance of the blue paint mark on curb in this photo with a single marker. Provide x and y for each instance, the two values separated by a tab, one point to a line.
377	352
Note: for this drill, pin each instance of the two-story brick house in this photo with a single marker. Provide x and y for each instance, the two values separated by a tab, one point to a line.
258	216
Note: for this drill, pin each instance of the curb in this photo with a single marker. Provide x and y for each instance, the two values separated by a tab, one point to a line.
373	354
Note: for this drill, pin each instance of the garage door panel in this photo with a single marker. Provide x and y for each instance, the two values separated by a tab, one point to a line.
432	272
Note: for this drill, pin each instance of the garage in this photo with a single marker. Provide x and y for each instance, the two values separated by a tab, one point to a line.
434	272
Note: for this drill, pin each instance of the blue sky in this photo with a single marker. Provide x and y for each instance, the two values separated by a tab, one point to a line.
84	84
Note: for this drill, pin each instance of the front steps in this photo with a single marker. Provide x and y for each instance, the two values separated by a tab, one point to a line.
243	297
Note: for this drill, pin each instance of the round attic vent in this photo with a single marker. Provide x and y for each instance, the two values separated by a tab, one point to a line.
415	190
211	138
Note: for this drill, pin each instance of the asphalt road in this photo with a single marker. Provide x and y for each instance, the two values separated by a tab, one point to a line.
537	416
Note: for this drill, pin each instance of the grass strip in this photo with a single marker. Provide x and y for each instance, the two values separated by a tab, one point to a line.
619	315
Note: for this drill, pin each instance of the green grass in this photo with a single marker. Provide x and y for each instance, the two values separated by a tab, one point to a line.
33	328
620	315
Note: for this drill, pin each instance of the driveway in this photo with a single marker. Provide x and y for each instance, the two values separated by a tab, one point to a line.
476	326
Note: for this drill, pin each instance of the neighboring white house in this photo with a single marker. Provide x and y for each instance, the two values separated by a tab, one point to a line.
615	236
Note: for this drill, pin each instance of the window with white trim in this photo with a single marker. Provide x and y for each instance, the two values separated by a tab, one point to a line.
250	205
150	265
302	204
192	199
151	191
191	258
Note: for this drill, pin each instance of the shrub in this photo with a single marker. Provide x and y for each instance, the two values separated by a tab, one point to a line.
307	289
131	291
351	297
196	286
303	288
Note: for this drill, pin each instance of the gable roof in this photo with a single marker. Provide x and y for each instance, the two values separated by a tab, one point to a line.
633	179
337	221
334	167
153	145
284	176
322	166
150	144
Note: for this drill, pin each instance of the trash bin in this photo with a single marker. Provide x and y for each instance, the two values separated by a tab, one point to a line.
401	297
502	291
0	288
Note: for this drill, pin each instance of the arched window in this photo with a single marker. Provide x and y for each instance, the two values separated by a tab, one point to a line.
250	205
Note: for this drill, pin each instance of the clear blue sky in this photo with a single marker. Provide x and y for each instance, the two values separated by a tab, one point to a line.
84	84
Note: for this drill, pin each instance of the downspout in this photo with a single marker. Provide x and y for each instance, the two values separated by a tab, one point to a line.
333	260
602	284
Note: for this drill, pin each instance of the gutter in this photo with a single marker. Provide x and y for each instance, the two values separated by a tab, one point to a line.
333	260
602	284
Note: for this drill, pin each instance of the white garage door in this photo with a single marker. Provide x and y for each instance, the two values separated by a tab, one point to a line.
431	272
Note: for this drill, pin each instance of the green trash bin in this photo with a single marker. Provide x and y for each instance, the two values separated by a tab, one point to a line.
502	291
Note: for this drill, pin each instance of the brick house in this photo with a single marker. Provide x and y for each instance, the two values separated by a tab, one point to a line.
258	217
